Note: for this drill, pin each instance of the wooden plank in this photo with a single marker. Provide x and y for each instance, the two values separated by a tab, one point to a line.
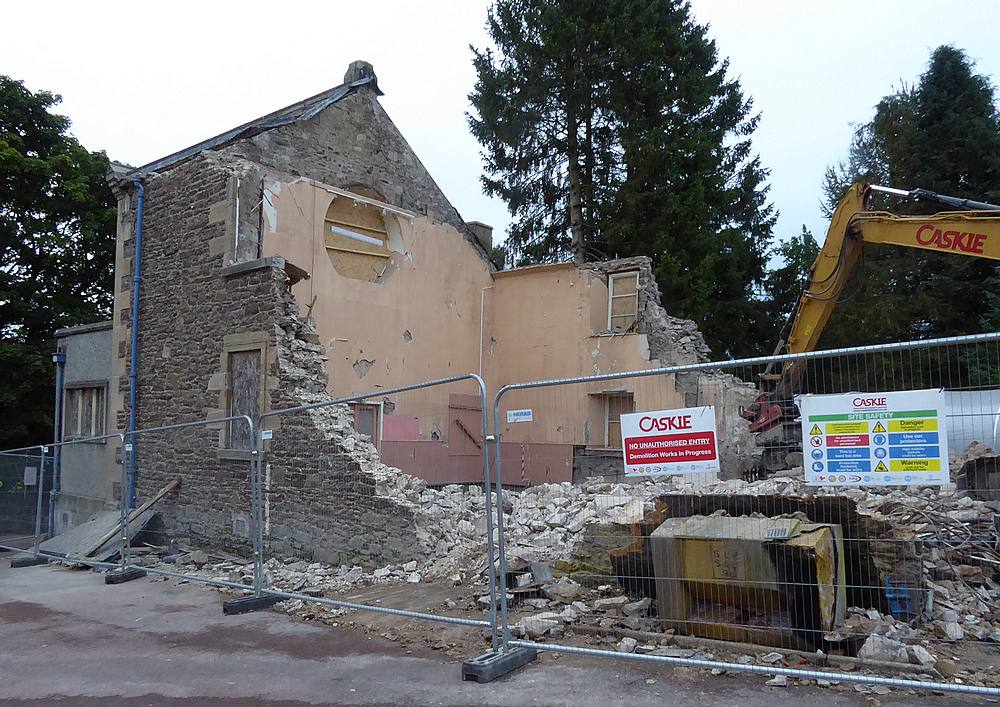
132	516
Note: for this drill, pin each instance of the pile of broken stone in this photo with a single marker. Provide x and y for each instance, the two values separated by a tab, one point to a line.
546	522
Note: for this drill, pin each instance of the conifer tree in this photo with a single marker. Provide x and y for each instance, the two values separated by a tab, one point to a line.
612	129
942	134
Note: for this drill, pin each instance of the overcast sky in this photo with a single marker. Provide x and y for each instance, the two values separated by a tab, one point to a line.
144	80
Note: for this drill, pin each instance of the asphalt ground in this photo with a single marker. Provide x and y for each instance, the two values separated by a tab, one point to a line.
67	638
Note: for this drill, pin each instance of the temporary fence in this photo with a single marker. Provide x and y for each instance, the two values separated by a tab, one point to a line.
198	487
332	493
668	565
25	495
42	499
872	564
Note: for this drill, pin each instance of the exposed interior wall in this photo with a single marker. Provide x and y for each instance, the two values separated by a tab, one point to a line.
416	319
354	142
550	321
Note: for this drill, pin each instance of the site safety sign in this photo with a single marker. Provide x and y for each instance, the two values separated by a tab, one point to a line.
875	439
681	441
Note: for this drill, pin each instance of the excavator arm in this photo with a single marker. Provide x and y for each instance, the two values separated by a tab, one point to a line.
974	233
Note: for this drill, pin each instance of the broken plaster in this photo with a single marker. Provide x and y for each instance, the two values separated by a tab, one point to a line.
271	191
362	366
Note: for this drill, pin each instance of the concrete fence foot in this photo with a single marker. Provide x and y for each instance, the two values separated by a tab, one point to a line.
245	605
28	562
490	666
122	576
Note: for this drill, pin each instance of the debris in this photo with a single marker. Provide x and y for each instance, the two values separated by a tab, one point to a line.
540	624
542	572
947	668
170	486
196	557
878	647
953	631
637	608
610	603
919	655
627	645
563	590
777	681
772	658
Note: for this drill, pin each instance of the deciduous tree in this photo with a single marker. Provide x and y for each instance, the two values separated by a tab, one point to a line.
57	240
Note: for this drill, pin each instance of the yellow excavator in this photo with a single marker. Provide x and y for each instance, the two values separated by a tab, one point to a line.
972	229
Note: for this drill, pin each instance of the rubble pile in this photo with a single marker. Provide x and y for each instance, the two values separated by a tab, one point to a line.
953	534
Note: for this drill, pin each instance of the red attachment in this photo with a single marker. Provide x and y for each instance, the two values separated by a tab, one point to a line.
762	414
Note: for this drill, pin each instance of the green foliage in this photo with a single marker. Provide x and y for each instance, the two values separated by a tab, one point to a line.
944	135
57	241
784	284
614	125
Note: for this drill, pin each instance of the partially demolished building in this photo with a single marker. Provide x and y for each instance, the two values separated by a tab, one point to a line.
309	253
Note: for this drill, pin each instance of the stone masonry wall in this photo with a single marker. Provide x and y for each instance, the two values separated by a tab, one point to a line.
186	308
354	143
324	498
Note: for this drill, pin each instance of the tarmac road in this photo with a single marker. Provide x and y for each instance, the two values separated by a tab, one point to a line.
67	638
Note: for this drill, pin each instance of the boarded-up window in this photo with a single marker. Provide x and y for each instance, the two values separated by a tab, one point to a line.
617	404
84	412
244	396
366	420
356	238
623	300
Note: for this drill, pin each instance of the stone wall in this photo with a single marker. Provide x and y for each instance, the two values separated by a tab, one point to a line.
351	143
187	307
195	305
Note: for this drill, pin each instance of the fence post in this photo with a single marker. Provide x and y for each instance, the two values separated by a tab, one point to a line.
125	572
40	479
256	514
505	659
259	599
501	530
490	556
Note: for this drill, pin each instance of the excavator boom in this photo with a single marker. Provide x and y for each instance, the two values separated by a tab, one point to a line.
974	233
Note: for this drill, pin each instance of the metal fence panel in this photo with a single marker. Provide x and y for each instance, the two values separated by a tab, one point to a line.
25	495
750	568
376	499
69	525
196	501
